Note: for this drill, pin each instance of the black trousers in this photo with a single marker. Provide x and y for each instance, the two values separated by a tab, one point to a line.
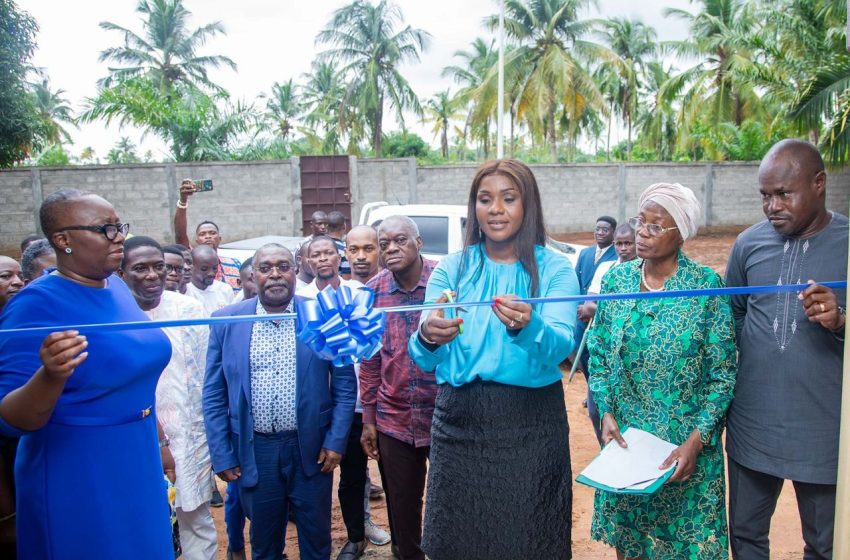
404	468
352	483
752	501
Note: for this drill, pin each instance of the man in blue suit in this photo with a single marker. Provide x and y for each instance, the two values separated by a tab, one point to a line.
588	261
591	257
277	416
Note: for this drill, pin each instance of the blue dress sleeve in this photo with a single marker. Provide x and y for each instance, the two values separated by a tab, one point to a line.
550	334
437	283
19	358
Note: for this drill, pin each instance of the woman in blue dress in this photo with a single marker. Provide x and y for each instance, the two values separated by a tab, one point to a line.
499	482
89	471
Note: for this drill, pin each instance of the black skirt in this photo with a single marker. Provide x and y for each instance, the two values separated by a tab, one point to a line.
499	480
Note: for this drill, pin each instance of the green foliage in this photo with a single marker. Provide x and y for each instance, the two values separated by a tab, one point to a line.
197	126
19	122
123	152
166	51
405	144
53	156
366	40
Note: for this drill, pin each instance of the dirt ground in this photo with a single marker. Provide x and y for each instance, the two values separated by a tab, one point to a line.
710	248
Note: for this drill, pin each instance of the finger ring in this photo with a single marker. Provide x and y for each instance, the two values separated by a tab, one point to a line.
822	308
512	324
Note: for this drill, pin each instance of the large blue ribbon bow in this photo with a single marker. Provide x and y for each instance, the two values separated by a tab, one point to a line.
340	325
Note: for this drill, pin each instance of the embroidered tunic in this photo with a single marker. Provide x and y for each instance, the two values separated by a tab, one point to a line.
785	416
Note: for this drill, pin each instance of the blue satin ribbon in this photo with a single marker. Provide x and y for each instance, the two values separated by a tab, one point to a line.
342	325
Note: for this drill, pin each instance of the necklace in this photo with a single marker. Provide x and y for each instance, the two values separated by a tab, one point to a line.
645	283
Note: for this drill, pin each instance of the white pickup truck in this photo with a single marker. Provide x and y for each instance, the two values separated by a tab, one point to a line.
441	227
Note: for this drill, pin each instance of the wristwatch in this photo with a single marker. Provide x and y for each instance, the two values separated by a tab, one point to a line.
163	442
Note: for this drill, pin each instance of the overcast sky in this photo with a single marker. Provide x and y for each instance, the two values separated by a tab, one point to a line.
270	40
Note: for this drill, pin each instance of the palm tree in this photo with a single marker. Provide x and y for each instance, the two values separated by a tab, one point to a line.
53	109
476	64
366	38
124	151
717	89
441	109
167	49
283	107
551	53
634	43
657	126
323	94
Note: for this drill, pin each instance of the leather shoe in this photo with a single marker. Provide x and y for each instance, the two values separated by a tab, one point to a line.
352	550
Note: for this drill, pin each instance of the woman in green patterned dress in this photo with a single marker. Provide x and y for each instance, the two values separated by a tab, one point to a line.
666	366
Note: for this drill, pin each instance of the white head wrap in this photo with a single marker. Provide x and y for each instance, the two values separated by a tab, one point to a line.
679	201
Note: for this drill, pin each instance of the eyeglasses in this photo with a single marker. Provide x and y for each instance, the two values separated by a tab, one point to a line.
654	230
283	268
171	268
109	231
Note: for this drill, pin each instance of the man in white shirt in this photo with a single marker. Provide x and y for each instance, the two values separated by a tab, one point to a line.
179	407
624	244
211	294
354	484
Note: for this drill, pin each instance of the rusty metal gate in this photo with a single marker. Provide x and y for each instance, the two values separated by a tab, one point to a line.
325	186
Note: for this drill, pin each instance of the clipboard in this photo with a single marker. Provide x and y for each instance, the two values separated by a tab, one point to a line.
647	491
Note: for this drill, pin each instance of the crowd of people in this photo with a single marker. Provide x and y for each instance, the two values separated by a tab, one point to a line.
467	403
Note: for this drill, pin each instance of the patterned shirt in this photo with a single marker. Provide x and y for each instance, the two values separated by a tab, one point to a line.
228	272
396	394
179	407
273	374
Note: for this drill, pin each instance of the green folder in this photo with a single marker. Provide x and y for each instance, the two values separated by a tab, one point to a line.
649	490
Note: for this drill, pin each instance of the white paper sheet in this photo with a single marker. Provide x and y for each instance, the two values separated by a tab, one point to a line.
635	467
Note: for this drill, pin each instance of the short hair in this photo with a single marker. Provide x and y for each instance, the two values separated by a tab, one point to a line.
318	214
37	249
205	222
305	249
136	242
608	219
406	220
624	228
26	241
48	214
336	220
269	246
246	263
174	249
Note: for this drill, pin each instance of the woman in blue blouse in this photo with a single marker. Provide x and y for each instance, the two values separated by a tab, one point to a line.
499	484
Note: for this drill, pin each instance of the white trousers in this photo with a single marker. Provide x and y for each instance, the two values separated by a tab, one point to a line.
197	533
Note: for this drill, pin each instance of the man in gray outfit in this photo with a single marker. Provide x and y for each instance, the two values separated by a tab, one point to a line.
783	422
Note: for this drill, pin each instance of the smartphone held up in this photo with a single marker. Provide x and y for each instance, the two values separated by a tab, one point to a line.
203	185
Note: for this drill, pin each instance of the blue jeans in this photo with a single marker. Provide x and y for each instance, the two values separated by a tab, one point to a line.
281	484
234	518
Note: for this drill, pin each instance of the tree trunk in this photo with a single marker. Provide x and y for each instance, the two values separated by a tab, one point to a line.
487	139
444	141
553	146
513	145
608	142
377	133
629	141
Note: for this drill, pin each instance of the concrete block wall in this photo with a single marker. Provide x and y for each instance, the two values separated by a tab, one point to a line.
139	193
251	199
17	207
381	179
